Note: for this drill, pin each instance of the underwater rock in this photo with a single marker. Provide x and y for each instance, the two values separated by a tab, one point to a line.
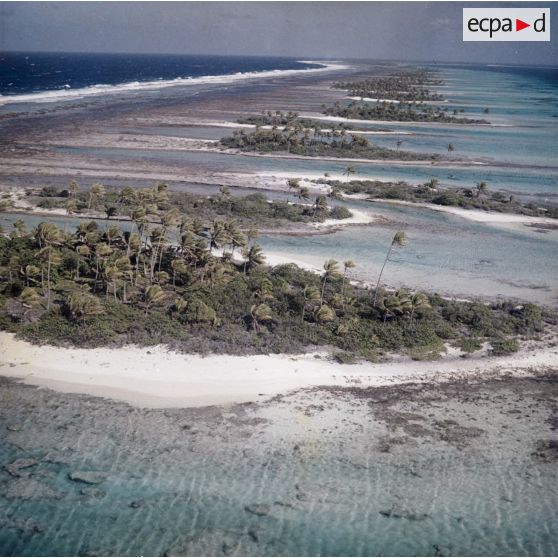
92	492
15	467
258	509
397	512
88	477
27	489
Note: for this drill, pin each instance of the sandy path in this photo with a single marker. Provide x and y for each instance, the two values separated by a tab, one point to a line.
156	377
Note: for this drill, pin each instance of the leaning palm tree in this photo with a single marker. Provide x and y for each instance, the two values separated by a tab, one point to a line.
178	268
349	171
481	188
83	305
324	314
253	256
81	251
399	239
349	264
303	194
73	188
260	313
30	297
320	205
293	184
310	295
97	190
331	270
20	228
418	301
30	272
153	296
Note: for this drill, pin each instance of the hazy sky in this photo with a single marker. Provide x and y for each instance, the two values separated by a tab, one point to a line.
385	30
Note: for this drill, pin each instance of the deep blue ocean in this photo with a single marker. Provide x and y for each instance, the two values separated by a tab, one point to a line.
26	73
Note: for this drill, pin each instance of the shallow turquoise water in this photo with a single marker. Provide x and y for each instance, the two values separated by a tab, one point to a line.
180	482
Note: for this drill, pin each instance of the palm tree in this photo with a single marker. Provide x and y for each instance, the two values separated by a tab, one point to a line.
73	188
309	294
399	239
96	191
224	193
432	184
349	264
303	194
293	184
30	272
81	250
178	267
30	297
260	313
349	171
481	188
331	270
216	235
235	237
418	301
324	314
335	193
71	206
154	296
320	205
253	256
111	211
20	228
265	290
117	270
82	305
48	236
251	235
391	306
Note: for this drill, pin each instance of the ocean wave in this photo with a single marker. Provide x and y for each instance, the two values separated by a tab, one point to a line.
103	89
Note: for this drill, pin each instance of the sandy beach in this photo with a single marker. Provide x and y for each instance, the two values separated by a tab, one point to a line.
157	377
477	215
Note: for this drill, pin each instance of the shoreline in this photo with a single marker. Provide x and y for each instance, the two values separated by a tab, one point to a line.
476	215
96	90
162	378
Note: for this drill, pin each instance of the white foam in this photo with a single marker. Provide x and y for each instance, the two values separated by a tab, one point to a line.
101	89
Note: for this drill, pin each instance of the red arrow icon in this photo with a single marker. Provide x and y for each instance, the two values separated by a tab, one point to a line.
519	25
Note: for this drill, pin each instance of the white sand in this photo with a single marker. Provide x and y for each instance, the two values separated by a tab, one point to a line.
156	377
478	215
359	218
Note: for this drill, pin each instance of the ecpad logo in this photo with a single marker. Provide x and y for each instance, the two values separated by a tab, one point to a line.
506	24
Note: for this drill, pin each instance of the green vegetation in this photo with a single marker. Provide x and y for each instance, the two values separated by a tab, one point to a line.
289	119
476	197
401	112
399	98
253	210
504	347
315	142
203	286
406	86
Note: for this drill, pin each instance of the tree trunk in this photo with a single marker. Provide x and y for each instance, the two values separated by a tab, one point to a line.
323	291
48	280
380	276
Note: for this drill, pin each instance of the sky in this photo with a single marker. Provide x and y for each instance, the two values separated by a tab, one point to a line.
373	30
